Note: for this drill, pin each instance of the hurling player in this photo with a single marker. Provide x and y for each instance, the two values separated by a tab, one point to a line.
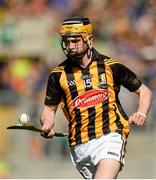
86	85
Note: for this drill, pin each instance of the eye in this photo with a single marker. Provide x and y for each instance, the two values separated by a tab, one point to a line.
75	40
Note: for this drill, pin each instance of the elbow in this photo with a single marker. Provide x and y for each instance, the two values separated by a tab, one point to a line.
150	97
145	92
151	94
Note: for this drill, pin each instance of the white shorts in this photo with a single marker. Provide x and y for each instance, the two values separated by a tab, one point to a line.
86	156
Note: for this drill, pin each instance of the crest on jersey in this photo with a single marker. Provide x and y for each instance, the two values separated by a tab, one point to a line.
102	81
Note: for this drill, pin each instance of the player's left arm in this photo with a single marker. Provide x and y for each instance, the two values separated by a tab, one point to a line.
124	76
145	99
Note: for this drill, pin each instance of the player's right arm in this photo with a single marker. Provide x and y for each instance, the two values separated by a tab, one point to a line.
47	119
52	99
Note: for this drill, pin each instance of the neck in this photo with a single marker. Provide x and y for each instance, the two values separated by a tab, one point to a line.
86	59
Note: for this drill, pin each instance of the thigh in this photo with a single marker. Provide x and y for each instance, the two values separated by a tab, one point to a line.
82	160
107	169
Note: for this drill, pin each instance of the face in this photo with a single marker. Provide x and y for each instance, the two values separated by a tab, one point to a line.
74	45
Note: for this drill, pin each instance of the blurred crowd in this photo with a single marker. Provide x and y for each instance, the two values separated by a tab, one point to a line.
29	47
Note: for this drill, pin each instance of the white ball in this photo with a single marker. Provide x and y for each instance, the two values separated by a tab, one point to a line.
24	119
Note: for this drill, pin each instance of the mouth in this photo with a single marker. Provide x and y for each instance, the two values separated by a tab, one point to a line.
72	52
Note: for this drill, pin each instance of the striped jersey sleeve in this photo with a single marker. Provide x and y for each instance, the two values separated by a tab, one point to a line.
122	75
53	92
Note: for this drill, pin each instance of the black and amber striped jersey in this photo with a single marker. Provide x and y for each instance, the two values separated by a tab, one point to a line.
89	96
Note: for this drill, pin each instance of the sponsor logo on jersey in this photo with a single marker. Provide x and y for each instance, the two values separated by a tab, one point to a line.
91	98
48	97
71	83
136	80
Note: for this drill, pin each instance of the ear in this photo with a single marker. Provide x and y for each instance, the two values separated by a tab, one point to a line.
90	42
